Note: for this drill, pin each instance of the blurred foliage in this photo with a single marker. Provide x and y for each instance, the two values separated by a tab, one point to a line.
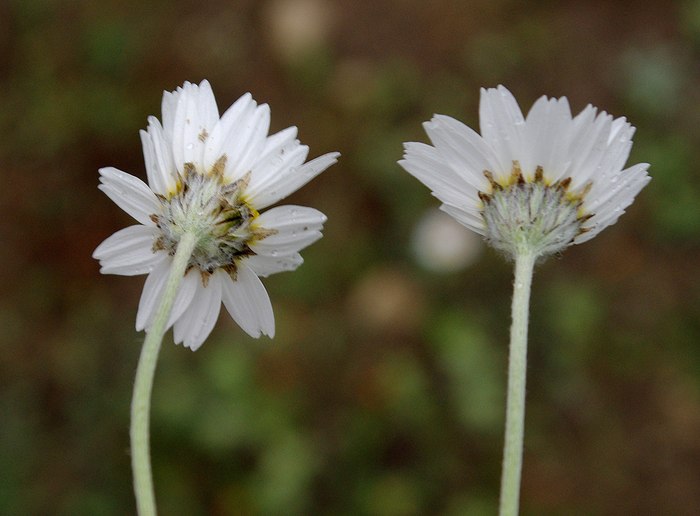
383	391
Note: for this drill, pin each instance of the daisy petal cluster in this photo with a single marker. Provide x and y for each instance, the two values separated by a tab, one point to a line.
211	176
533	184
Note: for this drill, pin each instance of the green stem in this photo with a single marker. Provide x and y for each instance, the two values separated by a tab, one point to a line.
143	385
515	406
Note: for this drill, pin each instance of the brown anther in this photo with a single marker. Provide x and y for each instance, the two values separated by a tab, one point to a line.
539	174
492	181
158	245
155	219
516	175
564	183
217	170
205	277
485	198
181	180
203	136
231	270
189	169
242	183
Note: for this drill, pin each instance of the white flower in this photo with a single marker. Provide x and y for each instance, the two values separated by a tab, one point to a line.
211	176
535	184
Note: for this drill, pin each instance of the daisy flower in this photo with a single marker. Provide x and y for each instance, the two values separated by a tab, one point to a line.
530	184
212	176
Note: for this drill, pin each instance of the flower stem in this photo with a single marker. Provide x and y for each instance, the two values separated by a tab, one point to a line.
143	385
515	406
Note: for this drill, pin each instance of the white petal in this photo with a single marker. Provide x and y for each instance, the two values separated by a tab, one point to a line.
581	138
426	164
158	155
606	191
277	141
130	194
154	181
290	218
247	301
585	118
619	125
226	130
195	117
152	293
284	244
610	207
613	206
185	294
612	159
469	220
295	228
168	110
581	124
267	189
128	252
264	266
248	144
587	151
243	142
463	149
547	138
274	165
195	325
281	150
501	123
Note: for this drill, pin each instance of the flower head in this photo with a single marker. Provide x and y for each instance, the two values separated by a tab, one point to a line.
211	176
534	184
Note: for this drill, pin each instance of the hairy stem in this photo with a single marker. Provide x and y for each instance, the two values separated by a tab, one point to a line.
143	385
517	367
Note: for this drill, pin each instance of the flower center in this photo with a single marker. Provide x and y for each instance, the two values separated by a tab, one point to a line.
532	216
216	213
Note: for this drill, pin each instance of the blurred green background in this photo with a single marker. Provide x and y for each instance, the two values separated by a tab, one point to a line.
383	392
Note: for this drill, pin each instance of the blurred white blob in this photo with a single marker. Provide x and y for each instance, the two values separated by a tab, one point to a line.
441	244
298	27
